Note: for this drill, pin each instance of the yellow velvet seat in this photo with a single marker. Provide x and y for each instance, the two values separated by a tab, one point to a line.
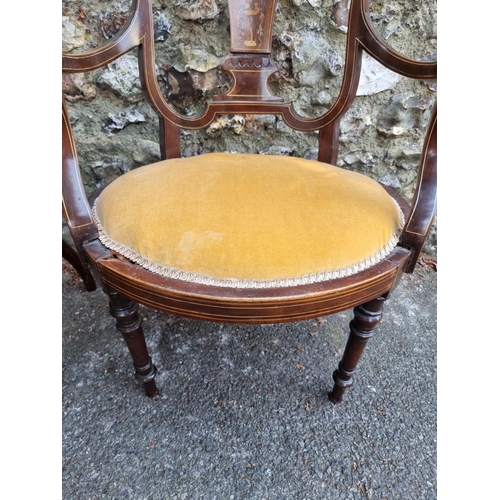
248	220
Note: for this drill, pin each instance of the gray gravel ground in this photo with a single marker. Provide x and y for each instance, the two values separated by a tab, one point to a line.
243	412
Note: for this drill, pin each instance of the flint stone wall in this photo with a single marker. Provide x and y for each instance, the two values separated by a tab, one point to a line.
381	135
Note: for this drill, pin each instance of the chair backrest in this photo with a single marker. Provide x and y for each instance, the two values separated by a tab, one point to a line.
250	65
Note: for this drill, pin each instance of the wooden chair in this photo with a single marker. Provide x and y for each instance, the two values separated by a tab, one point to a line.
246	238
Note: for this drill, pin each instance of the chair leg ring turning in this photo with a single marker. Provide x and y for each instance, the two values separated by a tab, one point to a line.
342	380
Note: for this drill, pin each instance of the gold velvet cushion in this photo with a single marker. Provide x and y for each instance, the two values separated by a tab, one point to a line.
248	220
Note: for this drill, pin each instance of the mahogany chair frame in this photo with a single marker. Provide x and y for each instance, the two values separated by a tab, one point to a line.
250	66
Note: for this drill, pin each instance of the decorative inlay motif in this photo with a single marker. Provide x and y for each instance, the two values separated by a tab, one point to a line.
250	62
251	23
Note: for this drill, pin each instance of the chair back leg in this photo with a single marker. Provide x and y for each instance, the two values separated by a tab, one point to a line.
71	255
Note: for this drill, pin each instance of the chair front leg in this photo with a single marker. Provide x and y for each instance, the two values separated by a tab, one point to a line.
362	327
129	324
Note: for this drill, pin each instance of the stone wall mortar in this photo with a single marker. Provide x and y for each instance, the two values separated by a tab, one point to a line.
381	134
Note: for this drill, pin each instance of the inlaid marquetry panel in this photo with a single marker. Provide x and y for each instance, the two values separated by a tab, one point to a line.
251	25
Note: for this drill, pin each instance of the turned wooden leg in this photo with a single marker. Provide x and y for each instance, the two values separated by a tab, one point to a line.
129	323
362	327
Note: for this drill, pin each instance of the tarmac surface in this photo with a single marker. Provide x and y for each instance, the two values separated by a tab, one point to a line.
243	411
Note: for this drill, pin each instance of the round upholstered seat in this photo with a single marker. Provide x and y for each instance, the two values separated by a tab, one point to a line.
248	220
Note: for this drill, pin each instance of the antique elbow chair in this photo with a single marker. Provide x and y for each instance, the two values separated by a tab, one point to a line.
248	238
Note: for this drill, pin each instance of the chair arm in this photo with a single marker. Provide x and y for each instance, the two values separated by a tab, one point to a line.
76	208
423	206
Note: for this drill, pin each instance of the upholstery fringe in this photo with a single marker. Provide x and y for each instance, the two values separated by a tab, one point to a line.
202	279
